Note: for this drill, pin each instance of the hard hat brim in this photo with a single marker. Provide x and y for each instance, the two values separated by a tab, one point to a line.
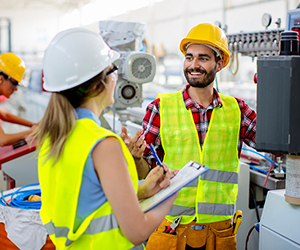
188	40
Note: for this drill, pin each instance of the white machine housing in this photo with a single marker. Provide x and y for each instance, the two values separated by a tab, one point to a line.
279	224
138	67
135	69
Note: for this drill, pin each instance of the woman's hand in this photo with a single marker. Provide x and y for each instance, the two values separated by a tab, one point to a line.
155	181
136	144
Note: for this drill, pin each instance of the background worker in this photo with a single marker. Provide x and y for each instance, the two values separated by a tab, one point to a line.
202	125
88	179
12	70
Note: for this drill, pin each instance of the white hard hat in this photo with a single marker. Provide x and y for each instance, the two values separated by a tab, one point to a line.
73	57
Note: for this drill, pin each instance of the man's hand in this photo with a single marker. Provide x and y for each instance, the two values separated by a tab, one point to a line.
136	144
33	128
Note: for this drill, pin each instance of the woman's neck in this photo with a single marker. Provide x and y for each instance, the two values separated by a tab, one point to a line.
92	105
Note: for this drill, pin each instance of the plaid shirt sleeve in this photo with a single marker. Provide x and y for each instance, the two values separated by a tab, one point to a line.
248	125
151	126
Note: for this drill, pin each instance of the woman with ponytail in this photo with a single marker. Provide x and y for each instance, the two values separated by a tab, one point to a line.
88	178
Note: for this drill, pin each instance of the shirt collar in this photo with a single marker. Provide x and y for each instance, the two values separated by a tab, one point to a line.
86	113
190	103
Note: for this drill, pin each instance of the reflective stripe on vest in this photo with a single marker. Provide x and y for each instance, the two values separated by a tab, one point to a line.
180	142
100	229
98	225
102	224
215	175
220	176
203	208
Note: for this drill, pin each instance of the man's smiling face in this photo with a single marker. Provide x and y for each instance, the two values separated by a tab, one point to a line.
200	66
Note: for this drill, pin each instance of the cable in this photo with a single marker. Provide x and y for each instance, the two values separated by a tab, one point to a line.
248	235
255	205
217	86
258	169
269	173
19	198
268	159
3	201
276	155
232	56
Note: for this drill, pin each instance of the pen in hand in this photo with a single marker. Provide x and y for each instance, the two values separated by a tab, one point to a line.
156	156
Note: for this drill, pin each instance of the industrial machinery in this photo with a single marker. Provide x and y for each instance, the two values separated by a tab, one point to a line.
136	67
257	43
278	90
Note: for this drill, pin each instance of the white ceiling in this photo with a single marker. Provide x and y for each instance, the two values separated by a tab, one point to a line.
42	4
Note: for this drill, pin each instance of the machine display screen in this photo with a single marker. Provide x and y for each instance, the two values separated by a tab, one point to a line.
293	19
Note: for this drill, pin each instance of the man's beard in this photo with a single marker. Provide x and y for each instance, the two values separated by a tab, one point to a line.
207	79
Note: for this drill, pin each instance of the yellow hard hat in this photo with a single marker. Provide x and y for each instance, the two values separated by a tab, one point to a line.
12	65
209	34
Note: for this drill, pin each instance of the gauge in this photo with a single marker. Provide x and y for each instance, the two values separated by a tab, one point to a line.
266	20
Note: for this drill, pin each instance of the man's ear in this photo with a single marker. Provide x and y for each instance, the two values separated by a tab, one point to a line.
220	65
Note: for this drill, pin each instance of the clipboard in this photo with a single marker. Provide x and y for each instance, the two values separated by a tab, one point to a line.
190	171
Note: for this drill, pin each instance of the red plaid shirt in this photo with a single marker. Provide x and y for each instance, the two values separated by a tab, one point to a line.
201	115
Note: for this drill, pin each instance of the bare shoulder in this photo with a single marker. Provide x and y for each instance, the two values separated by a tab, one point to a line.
109	143
108	150
109	160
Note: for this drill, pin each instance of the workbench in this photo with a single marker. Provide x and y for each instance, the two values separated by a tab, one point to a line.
19	165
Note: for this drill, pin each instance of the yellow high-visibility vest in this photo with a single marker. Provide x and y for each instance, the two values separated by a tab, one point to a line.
60	186
211	197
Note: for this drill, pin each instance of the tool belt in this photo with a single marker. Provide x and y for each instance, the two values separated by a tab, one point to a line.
216	236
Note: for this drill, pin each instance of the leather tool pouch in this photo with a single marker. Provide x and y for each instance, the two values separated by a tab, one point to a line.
225	240
162	241
196	235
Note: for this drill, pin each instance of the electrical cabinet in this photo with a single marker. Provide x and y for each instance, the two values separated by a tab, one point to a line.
278	104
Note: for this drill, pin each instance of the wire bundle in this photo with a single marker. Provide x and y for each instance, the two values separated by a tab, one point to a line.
268	159
19	198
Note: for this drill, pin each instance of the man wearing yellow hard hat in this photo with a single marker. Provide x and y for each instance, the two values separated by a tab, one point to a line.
12	70
205	126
